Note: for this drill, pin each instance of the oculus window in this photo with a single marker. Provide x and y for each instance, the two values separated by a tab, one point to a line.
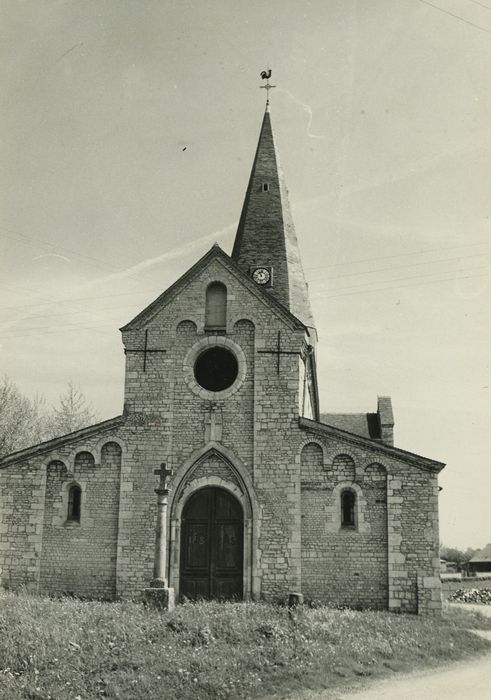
216	368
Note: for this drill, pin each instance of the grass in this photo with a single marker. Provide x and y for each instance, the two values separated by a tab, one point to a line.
73	650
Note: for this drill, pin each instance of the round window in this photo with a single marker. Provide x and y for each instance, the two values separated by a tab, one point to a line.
216	368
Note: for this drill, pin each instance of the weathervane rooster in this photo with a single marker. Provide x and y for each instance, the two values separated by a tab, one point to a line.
266	75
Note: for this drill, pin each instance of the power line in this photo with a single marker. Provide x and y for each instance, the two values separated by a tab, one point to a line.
451	14
123	294
389	269
356	286
73	313
52	248
481	4
400	255
403	286
53	301
73	299
402	279
52	329
411	277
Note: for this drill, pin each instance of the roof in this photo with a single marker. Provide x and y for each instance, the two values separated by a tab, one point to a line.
55	443
483	555
215	253
266	235
365	424
372	445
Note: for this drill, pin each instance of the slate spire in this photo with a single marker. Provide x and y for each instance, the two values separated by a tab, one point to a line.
266	234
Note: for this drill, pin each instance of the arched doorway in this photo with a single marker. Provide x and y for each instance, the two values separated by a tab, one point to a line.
212	546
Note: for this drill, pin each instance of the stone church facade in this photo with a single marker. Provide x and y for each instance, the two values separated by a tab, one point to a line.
268	496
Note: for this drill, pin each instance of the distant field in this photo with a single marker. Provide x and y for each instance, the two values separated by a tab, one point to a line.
72	650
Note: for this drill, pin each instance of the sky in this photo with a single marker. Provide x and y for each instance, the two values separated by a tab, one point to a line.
128	133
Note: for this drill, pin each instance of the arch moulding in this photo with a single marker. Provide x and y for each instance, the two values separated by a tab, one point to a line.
242	489
109	438
309	440
333	523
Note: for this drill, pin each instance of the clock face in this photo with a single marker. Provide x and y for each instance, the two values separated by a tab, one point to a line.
261	275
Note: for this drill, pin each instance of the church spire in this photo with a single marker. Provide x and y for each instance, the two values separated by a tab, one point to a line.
266	235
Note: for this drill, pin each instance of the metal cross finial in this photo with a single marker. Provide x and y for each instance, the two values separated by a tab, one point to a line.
266	75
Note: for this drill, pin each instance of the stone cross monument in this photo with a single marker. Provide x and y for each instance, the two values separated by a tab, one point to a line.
159	594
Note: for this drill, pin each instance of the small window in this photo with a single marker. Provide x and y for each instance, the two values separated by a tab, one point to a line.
216	306
265	187
74	503
348	509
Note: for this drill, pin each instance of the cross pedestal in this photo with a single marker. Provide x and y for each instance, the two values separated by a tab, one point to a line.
158	594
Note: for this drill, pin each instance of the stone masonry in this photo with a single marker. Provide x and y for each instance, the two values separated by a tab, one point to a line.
260	439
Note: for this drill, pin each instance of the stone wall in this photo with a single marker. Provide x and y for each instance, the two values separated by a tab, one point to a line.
343	565
253	420
412	496
22	490
79	557
287	472
39	546
395	540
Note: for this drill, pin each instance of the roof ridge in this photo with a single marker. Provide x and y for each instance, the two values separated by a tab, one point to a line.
412	457
47	445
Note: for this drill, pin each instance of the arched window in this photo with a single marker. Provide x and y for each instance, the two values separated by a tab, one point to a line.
216	306
74	503
348	508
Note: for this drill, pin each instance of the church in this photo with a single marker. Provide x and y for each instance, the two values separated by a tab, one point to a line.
267	495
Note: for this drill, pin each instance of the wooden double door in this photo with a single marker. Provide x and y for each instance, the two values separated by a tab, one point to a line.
212	534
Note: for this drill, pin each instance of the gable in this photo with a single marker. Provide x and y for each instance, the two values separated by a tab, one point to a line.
215	257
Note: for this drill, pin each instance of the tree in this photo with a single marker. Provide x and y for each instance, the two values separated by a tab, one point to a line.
72	413
459	556
26	422
22	420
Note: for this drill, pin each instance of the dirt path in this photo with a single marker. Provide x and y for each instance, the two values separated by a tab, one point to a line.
466	680
471	679
461	681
